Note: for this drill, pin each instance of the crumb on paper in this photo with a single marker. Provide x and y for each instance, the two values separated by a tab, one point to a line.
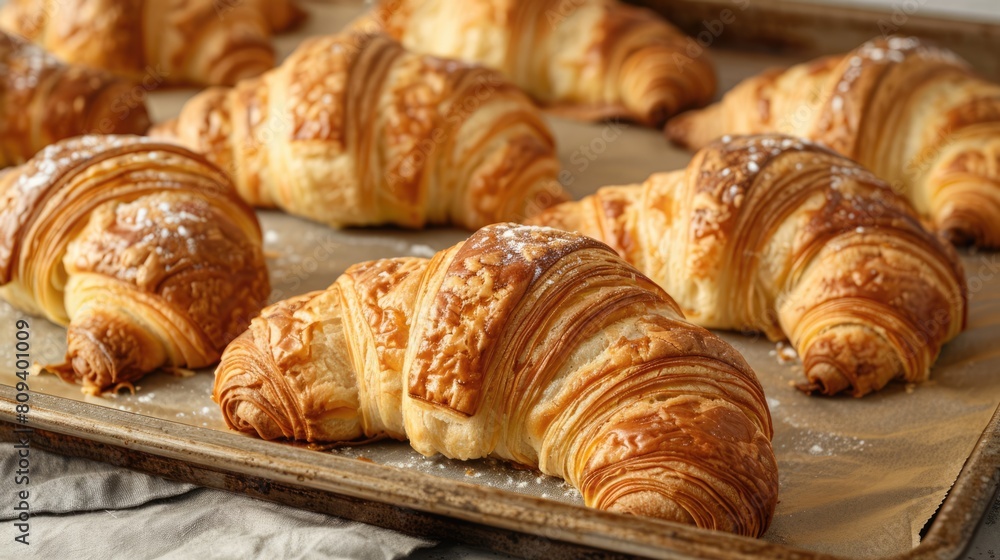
910	387
364	459
785	353
470	472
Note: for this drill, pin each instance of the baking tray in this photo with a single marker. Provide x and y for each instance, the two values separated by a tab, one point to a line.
515	511
433	506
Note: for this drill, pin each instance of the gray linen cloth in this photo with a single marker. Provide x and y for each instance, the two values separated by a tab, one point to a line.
85	509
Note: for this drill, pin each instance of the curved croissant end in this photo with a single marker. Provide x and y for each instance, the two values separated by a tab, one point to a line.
43	101
777	235
281	15
527	344
262	379
353	130
231	57
200	42
916	115
963	184
589	59
143	250
660	71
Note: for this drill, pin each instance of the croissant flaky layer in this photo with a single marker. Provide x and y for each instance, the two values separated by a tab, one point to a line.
777	235
200	42
43	101
586	59
353	130
143	250
916	115
528	344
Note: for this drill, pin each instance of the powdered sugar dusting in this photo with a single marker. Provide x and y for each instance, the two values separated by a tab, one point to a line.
881	52
536	245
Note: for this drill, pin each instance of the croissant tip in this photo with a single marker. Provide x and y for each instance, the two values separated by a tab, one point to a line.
296	17
163	131
960	237
810	387
63	370
818	388
677	131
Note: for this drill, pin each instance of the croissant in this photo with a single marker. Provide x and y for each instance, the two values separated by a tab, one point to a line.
916	115
142	249
536	346
198	42
281	15
353	130
44	101
781	236
586	59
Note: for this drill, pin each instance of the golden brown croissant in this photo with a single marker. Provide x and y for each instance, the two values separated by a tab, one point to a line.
528	344
282	15
586	59
155	41
916	115
769	233
353	130
44	101
143	249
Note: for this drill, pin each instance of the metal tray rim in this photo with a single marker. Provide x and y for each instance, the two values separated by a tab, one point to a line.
948	536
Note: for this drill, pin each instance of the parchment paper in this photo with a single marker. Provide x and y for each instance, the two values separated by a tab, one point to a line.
859	477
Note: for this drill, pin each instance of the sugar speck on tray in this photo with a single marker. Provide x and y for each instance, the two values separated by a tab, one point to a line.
421	250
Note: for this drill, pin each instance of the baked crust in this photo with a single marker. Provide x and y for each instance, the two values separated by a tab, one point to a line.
778	235
528	344
143	250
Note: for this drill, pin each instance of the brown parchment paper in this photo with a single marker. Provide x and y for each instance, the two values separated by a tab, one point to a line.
859	477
